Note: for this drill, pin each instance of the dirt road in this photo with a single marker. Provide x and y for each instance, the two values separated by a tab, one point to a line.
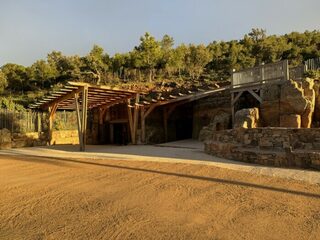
48	198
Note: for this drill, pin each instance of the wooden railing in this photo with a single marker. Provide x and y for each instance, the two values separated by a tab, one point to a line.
261	74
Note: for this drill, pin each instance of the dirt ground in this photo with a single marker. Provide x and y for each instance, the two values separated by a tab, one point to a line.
56	198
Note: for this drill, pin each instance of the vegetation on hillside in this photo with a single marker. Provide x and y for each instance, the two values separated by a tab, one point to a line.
156	62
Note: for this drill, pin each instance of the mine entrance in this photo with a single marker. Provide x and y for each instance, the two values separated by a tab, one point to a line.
184	128
120	134
181	123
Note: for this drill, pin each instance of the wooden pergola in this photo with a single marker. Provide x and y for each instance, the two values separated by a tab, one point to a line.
80	97
170	104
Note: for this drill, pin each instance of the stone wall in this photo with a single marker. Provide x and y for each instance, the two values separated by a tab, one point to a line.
65	137
17	140
280	147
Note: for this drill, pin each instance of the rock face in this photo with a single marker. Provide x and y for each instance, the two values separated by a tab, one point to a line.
316	115
282	102
270	107
291	120
219	122
247	118
310	96
292	98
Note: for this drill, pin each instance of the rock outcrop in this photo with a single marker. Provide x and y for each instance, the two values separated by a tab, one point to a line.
270	107
316	114
247	118
219	122
282	103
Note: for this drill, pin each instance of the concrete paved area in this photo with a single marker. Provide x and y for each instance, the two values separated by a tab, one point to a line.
186	151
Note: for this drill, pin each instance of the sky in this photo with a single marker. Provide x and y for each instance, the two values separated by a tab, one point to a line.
30	29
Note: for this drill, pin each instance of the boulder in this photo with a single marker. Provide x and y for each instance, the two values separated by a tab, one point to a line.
247	118
290	121
292	100
270	106
269	113
316	115
221	121
310	96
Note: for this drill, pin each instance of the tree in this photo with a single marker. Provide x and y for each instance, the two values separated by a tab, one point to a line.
95	64
196	58
257	34
3	81
149	53
16	76
43	73
166	58
176	61
166	43
118	63
67	67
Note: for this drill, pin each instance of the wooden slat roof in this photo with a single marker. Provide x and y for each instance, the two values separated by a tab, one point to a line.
104	96
98	95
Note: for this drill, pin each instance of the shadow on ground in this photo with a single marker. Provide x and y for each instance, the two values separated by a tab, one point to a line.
66	162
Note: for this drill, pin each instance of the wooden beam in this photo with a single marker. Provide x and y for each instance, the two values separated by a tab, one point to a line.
255	95
150	109
102	112
99	87
62	98
237	97
232	109
135	118
143	125
130	121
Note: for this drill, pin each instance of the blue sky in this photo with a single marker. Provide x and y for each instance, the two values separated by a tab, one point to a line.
29	29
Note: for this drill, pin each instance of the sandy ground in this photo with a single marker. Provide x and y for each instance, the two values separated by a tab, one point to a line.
185	151
63	198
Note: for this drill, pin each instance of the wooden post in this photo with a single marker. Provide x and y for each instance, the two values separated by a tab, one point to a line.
50	126
286	69
76	97
135	118
262	73
143	127
130	121
165	123
52	111
232	108
84	116
39	122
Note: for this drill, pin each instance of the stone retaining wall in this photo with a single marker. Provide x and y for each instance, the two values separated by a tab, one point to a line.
65	137
16	140
281	147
